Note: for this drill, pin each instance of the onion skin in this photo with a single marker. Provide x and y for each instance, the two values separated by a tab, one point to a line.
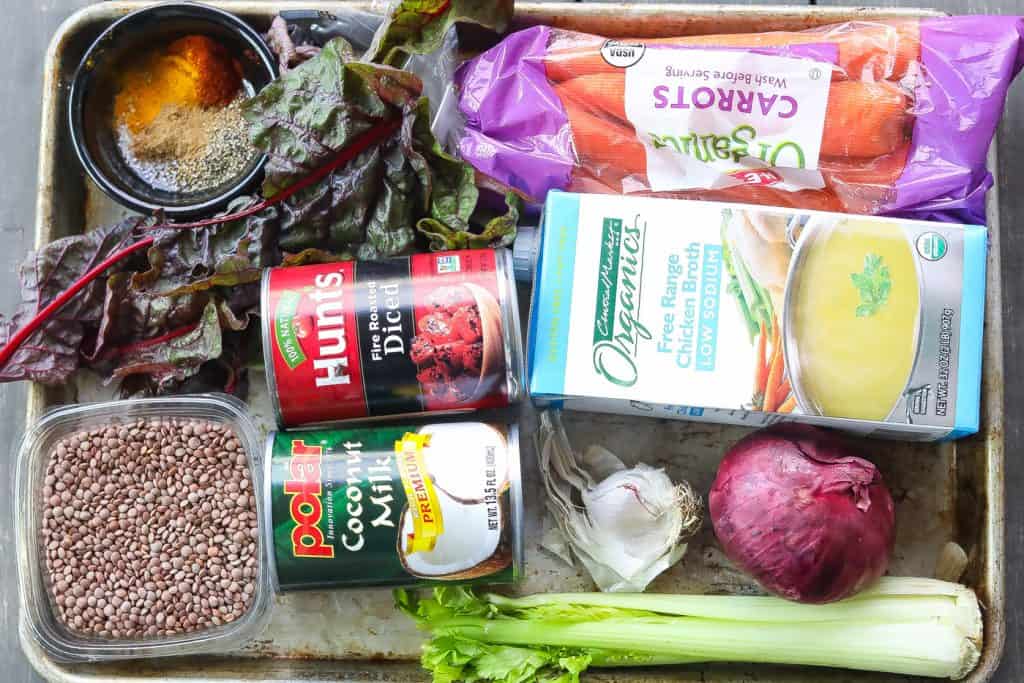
796	509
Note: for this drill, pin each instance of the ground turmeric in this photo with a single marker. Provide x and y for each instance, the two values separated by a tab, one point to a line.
192	71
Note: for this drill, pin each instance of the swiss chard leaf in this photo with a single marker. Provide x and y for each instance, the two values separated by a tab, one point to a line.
304	117
188	270
150	314
176	359
499	231
419	26
873	285
313	255
52	354
368	208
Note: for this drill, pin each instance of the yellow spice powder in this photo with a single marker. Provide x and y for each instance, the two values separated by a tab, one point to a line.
193	71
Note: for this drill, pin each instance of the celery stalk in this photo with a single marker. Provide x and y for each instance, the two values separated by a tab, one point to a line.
899	606
917	627
917	649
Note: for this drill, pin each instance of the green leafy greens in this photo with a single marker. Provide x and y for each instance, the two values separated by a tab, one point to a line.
917	627
873	284
419	26
159	320
370	208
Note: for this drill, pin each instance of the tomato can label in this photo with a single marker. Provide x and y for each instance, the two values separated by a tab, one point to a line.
424	333
397	505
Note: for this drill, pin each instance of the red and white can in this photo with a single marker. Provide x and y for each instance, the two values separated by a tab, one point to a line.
418	334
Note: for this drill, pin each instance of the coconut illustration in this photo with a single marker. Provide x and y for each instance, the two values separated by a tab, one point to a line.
467	460
468	466
472	545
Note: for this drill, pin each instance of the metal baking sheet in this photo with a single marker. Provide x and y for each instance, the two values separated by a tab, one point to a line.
943	492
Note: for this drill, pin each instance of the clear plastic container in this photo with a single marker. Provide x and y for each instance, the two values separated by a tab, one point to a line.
44	623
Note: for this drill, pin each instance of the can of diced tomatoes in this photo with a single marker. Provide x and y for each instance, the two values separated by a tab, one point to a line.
419	334
393	505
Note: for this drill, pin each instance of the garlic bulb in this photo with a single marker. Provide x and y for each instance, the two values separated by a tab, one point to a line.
625	525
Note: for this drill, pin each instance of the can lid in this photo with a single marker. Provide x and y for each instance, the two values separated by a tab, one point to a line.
524	252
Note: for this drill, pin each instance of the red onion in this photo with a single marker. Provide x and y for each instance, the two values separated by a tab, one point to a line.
795	508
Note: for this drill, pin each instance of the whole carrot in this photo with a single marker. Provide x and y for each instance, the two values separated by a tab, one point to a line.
864	120
869	51
876	51
605	93
865	185
561	65
872	51
815	200
882	170
601	142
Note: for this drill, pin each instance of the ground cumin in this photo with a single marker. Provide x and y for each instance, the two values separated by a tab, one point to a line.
177	132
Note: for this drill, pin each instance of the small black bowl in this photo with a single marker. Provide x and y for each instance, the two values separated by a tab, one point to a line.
90	101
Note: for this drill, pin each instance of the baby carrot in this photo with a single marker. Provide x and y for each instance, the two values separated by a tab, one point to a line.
776	336
761	371
775	370
780	393
772	384
788	405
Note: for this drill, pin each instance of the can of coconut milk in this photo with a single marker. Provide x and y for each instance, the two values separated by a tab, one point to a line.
396	505
407	336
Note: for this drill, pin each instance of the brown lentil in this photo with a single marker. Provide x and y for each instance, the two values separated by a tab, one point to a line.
125	563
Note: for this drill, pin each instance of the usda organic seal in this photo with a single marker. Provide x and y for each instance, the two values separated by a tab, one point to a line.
621	54
931	246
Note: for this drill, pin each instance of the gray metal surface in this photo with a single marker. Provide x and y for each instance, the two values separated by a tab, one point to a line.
925	482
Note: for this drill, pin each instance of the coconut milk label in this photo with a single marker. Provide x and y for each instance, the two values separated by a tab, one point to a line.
402	336
399	505
715	118
751	315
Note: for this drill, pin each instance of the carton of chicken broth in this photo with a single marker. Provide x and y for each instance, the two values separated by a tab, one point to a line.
752	315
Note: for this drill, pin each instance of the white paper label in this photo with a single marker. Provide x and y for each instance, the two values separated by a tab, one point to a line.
717	118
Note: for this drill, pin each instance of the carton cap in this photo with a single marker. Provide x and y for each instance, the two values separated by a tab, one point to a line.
524	252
